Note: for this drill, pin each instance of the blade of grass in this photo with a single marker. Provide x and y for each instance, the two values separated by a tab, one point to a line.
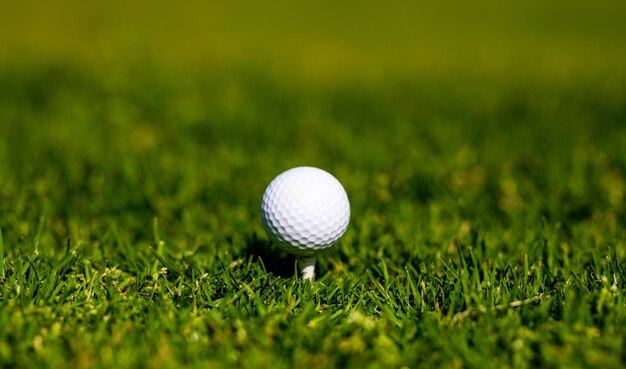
1	255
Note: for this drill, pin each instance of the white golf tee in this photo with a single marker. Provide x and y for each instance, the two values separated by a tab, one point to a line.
307	267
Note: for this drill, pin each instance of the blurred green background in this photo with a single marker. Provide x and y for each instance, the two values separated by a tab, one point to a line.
114	113
325	40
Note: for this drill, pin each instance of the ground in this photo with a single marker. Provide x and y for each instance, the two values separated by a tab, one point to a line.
487	185
487	230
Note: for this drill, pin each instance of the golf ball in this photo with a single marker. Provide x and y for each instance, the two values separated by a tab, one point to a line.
305	210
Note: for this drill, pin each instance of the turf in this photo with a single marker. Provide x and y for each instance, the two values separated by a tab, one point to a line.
488	221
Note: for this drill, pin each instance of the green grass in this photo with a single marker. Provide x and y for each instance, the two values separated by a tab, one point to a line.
488	221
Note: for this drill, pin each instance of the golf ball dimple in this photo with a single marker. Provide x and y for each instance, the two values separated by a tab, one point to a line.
305	210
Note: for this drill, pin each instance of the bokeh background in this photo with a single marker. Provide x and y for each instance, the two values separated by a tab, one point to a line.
114	114
477	112
326	41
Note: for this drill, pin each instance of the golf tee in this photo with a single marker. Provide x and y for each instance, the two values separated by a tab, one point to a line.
307	267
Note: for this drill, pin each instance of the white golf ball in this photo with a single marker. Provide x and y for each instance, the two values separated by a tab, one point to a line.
305	210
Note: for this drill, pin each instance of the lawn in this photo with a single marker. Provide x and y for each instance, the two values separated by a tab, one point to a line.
488	207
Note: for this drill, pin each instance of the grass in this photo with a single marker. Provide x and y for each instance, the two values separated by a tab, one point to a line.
482	147
488	221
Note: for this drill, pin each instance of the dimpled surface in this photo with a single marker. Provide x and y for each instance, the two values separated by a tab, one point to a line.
305	210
